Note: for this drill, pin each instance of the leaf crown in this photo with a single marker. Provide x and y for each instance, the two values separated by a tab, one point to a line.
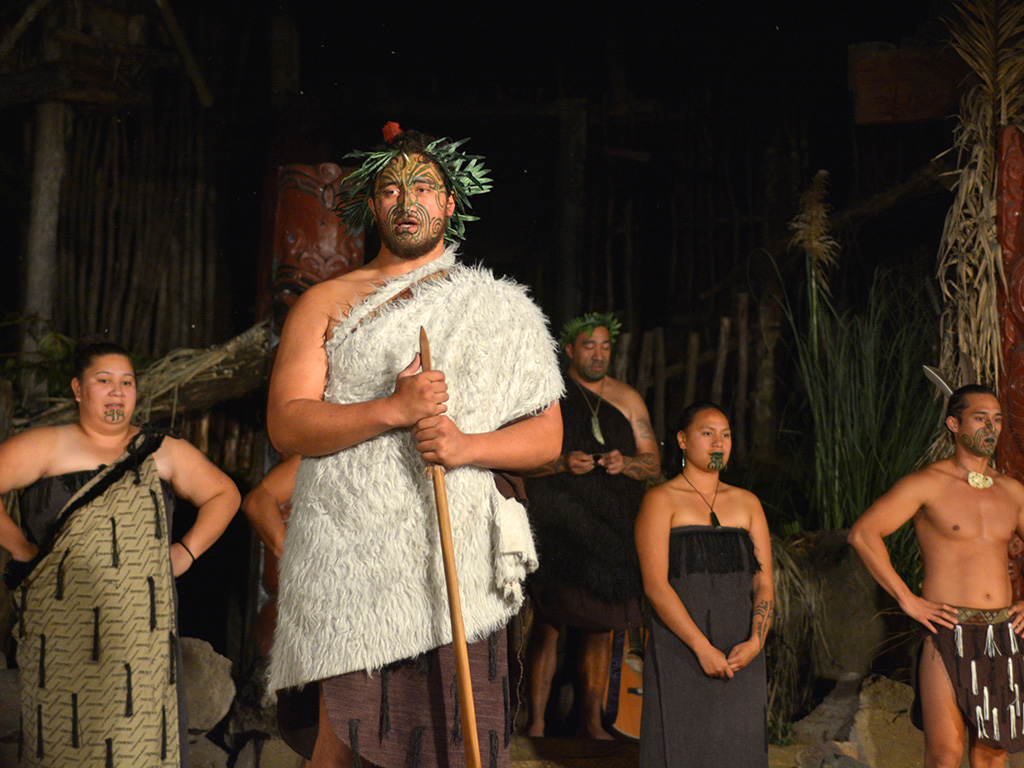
465	175
587	324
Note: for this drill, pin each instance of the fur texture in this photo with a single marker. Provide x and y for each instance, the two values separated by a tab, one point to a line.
362	582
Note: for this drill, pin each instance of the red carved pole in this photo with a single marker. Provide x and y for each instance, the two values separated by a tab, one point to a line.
1010	232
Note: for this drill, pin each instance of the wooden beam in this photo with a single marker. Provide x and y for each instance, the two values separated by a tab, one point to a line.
33	10
171	23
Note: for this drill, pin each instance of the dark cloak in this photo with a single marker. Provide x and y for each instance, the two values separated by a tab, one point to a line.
584	523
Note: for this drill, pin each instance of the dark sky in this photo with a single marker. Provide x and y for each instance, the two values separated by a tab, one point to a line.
583	48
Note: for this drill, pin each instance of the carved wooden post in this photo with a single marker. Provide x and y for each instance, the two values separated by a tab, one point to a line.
1009	195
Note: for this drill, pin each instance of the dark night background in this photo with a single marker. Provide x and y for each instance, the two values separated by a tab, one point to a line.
674	85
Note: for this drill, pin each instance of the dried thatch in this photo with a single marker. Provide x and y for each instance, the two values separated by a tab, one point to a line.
989	35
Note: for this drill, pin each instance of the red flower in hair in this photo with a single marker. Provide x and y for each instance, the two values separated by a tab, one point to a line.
391	130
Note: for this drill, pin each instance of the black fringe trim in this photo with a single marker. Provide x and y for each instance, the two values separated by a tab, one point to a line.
457	727
74	719
507	697
173	661
40	754
494	748
417	746
42	661
711	550
59	591
353	741
115	552
110	753
157	522
129	706
384	728
152	602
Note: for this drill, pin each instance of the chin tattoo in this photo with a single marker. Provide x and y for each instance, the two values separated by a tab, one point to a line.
981	443
114	414
717	461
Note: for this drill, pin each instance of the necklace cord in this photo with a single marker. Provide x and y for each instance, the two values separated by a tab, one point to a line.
711	505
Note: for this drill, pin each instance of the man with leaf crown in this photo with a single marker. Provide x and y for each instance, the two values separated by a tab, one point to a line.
362	660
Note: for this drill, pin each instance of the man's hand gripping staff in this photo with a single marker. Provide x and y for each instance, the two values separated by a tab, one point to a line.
467	711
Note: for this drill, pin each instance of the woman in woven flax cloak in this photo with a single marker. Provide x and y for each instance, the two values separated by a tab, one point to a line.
93	574
705	558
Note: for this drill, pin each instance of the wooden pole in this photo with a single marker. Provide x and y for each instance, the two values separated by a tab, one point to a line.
742	375
718	381
467	712
692	362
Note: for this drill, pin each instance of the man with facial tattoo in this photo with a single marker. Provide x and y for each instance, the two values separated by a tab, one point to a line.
362	661
583	505
969	667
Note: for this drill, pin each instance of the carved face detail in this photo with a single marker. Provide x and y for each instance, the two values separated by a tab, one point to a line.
411	206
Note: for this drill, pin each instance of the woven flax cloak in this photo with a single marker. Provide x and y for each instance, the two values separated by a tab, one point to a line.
362	582
97	645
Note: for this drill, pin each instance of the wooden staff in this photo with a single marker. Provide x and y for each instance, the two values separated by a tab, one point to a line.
467	712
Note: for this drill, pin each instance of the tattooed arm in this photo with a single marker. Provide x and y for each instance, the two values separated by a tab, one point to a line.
646	464
763	591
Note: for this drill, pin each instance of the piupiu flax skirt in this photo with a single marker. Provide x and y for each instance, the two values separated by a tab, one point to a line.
406	715
984	660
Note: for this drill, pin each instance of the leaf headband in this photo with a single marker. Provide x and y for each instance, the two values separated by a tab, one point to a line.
587	324
465	175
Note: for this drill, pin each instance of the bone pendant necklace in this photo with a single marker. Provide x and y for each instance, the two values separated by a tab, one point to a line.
595	425
977	480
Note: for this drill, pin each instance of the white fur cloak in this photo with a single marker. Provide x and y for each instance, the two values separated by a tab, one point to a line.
362	581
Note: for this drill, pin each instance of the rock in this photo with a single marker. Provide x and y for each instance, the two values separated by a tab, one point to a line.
831	720
10	704
267	753
203	753
882	731
817	755
852	625
209	689
843	761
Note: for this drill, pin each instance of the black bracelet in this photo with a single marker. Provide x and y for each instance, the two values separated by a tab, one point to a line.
185	546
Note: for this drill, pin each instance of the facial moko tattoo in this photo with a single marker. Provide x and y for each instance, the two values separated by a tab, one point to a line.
717	461
411	201
114	415
982	442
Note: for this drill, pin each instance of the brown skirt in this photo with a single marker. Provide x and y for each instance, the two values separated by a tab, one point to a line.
564	605
984	660
406	715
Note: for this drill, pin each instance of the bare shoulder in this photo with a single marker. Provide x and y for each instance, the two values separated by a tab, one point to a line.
928	480
740	496
659	497
624	397
176	455
1010	485
29	455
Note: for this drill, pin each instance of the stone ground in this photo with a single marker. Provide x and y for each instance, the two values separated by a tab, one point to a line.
580	753
575	753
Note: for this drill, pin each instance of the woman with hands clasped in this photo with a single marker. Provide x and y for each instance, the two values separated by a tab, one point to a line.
705	558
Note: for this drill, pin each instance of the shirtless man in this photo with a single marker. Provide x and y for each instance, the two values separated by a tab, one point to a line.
361	589
583	505
964	514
